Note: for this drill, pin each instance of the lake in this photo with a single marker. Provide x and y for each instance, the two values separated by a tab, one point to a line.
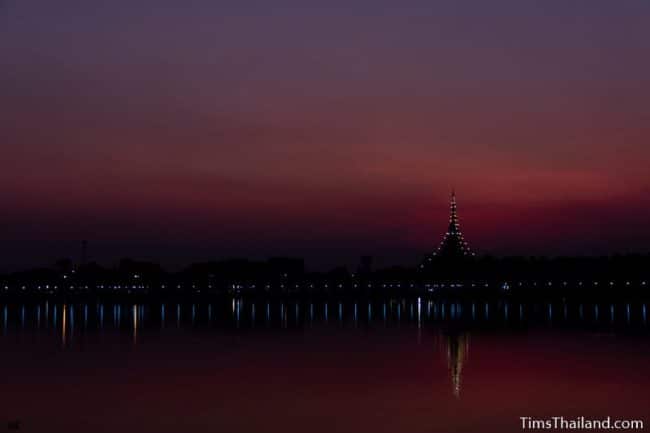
238	365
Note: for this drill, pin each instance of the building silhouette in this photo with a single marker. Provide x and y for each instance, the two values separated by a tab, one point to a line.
83	259
453	248
365	266
453	243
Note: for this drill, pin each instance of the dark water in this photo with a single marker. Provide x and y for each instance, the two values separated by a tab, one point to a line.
394	366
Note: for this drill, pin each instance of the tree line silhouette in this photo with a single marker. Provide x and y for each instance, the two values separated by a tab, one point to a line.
611	276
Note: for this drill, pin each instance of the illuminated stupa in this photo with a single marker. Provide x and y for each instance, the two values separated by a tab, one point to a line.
453	243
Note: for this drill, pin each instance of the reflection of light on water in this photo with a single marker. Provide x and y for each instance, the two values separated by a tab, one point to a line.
71	320
24	316
285	316
135	323
162	316
457	350
87	316
628	313
64	323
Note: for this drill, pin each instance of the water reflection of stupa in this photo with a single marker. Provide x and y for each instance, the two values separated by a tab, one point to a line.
457	349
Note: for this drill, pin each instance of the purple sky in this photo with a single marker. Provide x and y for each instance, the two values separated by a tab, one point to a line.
182	131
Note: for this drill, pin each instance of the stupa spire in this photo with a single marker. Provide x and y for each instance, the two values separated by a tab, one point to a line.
453	243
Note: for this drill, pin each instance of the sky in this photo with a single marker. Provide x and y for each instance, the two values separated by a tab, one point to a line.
184	131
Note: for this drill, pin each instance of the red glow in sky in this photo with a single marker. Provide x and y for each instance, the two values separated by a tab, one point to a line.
191	132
